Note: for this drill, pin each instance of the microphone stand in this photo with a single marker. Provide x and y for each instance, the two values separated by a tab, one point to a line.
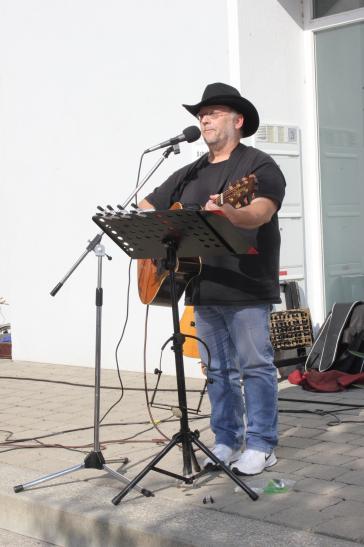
95	459
175	149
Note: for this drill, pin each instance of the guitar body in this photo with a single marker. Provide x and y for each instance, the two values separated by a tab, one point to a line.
187	326
154	283
153	277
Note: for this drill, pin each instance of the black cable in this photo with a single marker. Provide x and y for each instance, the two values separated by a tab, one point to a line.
322	412
153	421
42	445
170	339
345	422
127	310
64	432
118	344
319	402
74	384
11	442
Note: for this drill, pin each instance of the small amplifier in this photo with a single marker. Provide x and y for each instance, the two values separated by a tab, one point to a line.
291	329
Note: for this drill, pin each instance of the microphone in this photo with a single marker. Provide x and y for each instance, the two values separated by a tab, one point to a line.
190	134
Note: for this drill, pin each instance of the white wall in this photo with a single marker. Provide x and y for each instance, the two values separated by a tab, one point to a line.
272	61
86	86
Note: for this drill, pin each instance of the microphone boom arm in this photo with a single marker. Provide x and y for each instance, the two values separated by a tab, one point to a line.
175	149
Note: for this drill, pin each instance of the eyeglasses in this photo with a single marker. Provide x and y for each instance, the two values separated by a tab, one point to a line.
212	114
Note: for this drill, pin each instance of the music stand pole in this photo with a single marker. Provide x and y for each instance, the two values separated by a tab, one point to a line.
95	459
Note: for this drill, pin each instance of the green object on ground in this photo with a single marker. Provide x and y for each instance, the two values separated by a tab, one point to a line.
275	486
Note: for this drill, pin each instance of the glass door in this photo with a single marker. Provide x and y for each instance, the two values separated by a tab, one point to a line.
340	89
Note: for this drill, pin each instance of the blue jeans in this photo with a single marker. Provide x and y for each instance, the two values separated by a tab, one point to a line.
240	347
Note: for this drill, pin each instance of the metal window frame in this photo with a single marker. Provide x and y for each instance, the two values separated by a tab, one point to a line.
335	20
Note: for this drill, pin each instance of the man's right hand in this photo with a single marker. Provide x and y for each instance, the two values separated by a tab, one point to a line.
211	204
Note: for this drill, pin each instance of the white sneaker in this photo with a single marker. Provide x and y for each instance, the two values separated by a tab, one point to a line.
226	454
253	462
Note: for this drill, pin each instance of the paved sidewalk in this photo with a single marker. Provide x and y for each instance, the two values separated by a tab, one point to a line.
323	459
11	539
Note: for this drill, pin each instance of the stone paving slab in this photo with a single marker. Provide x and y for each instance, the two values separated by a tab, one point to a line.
11	539
324	463
76	514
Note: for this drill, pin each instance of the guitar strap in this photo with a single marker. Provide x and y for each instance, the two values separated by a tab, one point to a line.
230	166
188	177
238	154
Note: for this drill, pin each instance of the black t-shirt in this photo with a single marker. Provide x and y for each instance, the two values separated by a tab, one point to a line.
245	279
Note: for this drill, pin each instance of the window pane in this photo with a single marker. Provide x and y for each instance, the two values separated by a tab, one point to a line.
321	8
340	88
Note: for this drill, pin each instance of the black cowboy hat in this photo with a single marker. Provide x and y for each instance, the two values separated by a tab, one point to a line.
223	94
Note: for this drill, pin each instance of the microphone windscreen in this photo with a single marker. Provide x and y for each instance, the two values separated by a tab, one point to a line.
192	133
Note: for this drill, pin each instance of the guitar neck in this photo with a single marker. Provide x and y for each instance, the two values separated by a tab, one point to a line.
238	193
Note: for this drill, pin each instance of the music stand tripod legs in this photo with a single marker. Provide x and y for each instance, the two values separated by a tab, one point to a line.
95	459
185	437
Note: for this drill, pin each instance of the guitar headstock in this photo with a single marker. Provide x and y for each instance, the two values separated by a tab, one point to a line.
239	193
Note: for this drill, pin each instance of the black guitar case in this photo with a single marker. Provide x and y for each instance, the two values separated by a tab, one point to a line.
341	333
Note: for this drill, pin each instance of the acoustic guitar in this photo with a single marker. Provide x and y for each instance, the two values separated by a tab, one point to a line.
153	277
187	326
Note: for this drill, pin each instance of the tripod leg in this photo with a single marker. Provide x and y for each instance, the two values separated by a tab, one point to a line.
117	499
116	475
92	461
253	495
96	460
27	485
189	456
194	461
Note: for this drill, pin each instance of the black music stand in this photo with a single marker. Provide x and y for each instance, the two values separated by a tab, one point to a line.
168	235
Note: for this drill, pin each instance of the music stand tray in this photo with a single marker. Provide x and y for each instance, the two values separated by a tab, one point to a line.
168	235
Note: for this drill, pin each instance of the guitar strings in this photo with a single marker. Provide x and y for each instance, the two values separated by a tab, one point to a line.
231	191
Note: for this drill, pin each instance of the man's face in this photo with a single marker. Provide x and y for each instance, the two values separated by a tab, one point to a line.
219	124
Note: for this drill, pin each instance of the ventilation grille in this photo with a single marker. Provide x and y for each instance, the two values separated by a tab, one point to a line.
277	134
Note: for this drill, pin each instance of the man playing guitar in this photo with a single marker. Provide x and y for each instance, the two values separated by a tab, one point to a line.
233	294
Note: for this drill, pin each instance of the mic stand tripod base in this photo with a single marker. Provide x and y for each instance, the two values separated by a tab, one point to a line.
94	460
